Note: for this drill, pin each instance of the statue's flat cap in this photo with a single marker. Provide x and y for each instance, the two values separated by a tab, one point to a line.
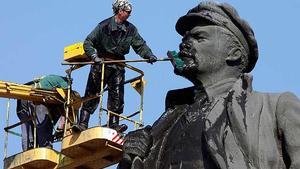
221	14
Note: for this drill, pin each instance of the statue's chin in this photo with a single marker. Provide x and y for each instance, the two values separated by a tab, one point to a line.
188	71
185	65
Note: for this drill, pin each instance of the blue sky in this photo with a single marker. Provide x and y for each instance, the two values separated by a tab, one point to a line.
33	34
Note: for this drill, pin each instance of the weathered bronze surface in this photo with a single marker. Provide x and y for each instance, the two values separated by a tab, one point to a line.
220	122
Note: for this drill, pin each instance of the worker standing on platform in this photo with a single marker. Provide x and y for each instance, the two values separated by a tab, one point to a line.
45	115
111	40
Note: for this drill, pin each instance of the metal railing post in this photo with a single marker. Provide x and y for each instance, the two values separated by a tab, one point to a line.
142	101
34	127
101	93
7	124
67	108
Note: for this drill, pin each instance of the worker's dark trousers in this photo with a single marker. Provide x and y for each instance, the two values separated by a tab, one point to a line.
44	124
114	77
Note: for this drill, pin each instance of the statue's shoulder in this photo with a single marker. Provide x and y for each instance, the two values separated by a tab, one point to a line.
176	100
180	97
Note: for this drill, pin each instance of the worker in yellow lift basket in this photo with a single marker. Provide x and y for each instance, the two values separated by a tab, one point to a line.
111	40
46	115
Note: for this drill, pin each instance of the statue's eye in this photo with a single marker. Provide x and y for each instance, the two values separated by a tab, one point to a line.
198	36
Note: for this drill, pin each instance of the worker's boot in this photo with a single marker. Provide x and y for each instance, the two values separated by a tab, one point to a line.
114	124
59	133
119	128
83	122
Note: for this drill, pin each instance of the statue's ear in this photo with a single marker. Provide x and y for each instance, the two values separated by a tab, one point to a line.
234	55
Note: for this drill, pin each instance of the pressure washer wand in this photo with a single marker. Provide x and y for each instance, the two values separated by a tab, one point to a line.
114	61
134	60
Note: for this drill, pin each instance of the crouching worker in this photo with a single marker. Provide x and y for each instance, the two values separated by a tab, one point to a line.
44	116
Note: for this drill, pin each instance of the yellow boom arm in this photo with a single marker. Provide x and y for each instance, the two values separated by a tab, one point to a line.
27	92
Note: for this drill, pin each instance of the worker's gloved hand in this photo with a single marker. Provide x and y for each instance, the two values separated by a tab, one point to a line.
137	144
97	59
152	59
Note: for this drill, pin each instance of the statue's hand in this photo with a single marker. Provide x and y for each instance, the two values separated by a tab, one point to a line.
136	147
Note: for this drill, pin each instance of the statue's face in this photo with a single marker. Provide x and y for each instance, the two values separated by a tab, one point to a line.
203	50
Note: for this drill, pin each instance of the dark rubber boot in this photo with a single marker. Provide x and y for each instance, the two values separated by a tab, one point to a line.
83	122
119	128
58	135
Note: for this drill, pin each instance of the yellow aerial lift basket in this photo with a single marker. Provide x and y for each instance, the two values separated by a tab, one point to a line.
34	158
94	148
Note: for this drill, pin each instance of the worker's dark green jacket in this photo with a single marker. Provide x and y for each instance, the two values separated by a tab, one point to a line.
110	37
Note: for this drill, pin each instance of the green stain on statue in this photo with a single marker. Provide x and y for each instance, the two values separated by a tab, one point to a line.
176	61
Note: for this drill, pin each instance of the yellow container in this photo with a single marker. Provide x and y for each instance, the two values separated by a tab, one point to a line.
75	53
